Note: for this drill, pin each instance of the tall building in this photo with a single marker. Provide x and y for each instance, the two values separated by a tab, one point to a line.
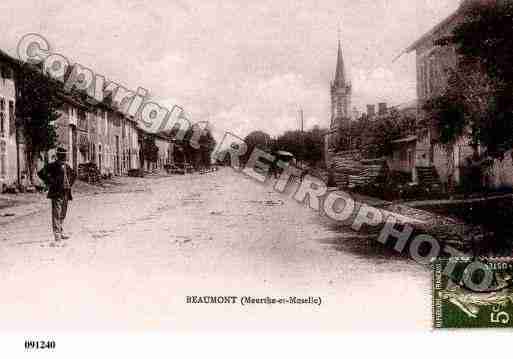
340	93
340	109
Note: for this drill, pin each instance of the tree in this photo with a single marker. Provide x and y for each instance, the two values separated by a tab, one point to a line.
374	137
150	150
307	146
486	35
197	144
314	145
477	100
384	131
207	146
256	139
464	106
37	105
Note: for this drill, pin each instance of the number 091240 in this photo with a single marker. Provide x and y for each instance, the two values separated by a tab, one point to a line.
39	344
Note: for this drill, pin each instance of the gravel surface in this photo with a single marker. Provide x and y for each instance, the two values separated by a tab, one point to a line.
137	251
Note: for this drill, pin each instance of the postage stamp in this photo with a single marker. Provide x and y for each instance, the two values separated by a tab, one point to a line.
457	304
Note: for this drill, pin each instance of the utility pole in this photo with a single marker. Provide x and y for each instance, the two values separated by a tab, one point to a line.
301	134
301	119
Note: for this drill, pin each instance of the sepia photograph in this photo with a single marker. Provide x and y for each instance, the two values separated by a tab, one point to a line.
187	166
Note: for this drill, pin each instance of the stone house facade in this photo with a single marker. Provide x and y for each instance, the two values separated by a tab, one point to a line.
90	131
12	165
433	63
98	134
8	164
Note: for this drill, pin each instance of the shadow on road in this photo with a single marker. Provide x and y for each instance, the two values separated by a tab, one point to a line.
364	245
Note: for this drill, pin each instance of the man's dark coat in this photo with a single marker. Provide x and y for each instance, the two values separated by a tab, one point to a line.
53	175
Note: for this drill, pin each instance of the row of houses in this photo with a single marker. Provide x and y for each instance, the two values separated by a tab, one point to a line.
91	132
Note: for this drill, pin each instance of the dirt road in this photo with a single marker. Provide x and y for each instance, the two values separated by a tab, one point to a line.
136	254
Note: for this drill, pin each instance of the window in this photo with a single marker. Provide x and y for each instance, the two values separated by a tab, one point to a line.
92	123
410	157
432	74
99	121
82	120
106	122
3	164
339	109
6	72
425	79
403	155
12	118
420	83
109	128
2	116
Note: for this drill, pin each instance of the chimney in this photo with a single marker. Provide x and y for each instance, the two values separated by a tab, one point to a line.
382	108
371	110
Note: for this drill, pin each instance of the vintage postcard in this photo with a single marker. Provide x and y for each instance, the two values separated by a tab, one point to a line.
201	165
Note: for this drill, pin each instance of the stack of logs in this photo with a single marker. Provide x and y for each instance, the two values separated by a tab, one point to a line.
350	170
89	172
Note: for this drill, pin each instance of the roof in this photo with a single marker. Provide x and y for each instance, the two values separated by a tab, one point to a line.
79	98
433	31
5	56
72	97
407	105
405	140
284	154
340	72
465	5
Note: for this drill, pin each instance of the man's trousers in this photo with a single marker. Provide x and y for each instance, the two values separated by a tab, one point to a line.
59	210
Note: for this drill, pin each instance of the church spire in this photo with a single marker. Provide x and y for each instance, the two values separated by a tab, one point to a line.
340	73
340	90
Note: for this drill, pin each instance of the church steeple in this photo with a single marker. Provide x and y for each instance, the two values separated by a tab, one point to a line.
340	73
340	92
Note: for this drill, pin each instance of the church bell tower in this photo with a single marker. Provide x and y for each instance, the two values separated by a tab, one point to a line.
340	93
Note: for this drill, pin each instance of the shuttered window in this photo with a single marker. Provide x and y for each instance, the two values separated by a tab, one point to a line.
12	119
3	156
2	117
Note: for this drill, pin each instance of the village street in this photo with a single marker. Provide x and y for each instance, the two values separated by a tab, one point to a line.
137	252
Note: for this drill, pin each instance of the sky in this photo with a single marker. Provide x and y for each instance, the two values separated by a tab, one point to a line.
241	65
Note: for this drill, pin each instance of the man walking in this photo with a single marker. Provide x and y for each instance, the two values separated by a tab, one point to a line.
59	177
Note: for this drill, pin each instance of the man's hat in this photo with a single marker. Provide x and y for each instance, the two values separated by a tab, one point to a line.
61	151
